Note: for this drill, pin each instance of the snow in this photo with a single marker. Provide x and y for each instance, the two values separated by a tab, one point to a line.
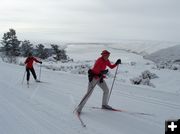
144	78
135	46
166	58
170	53
47	108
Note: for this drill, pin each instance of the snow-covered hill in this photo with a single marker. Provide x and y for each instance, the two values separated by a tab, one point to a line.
166	58
132	67
142	47
47	108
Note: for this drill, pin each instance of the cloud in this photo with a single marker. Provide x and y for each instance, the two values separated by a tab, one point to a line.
92	20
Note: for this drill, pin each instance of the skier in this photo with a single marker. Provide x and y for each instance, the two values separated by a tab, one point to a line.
29	67
96	75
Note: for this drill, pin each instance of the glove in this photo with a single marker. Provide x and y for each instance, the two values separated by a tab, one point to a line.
104	71
90	75
118	62
40	62
101	80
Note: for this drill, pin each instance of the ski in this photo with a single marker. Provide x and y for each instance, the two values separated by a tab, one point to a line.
120	110
81	121
38	81
113	109
41	82
28	84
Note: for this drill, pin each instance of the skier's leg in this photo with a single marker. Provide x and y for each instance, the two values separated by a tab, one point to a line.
105	89
91	86
28	74
33	73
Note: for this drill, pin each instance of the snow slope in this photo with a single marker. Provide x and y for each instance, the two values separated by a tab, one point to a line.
165	55
167	81
47	108
132	65
142	47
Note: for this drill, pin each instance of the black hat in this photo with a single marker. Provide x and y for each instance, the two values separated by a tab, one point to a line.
30	54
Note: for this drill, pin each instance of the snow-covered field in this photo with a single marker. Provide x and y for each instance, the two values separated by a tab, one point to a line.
166	58
137	46
47	108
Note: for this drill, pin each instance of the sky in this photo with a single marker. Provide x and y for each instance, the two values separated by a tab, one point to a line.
91	20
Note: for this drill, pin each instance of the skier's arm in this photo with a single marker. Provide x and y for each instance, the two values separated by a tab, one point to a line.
26	61
111	65
37	60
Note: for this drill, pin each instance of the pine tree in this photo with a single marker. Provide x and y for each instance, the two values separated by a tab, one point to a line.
60	53
10	45
26	48
41	51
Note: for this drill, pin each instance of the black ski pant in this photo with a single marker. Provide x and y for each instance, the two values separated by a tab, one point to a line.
33	73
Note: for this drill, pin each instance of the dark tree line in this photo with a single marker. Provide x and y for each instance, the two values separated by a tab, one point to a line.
60	53
12	47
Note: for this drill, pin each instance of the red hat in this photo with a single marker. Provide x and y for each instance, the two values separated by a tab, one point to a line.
105	52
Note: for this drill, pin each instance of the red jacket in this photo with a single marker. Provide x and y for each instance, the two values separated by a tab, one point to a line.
29	62
101	65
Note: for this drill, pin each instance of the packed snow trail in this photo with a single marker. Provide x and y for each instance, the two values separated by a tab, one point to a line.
47	108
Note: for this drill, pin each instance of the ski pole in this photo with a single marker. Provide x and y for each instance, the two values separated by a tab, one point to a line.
87	94
113	82
23	76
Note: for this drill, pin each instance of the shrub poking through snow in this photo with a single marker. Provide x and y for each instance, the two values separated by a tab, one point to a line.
148	74
144	79
72	68
133	63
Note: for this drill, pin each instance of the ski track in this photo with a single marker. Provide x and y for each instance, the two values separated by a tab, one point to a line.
47	108
151	100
